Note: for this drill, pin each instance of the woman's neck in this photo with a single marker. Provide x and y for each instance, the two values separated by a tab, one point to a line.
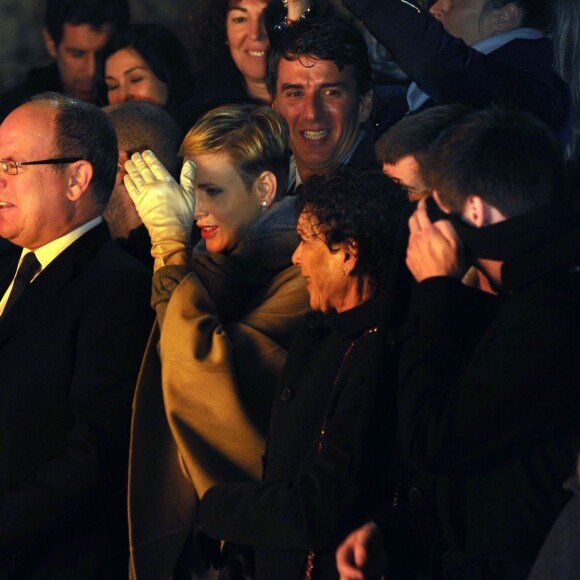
259	91
358	291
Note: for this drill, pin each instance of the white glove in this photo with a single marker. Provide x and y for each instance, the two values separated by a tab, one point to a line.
165	207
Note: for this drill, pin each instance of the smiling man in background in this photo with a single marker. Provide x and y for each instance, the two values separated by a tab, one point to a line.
320	77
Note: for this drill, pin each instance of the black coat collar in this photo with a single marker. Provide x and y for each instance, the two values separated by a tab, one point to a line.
347	324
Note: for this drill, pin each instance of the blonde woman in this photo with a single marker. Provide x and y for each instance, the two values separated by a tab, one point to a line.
227	315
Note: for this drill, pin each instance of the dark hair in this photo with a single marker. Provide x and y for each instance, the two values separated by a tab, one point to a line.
140	125
164	54
208	32
358	205
95	13
323	39
83	130
415	132
507	157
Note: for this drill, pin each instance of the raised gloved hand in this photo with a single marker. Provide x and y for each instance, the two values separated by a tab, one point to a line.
164	206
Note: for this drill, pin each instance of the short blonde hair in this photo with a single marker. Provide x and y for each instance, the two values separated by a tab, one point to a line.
255	137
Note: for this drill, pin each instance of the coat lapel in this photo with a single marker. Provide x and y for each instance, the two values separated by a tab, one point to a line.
7	270
51	280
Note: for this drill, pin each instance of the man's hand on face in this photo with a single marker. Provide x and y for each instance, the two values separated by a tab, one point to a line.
434	248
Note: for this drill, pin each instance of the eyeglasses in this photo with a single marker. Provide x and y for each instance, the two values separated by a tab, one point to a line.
11	167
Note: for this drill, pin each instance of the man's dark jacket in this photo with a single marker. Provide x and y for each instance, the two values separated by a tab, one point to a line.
489	403
445	68
70	349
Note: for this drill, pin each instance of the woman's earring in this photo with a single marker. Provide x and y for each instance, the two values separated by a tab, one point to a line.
264	204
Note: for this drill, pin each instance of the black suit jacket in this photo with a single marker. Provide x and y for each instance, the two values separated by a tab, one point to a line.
70	348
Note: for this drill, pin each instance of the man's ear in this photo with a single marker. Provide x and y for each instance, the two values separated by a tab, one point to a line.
365	107
80	176
476	211
265	187
506	18
51	46
121	171
440	203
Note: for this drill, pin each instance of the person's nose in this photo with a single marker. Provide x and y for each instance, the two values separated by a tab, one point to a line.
297	255
313	107
91	65
439	9
258	29
126	94
120	94
200	209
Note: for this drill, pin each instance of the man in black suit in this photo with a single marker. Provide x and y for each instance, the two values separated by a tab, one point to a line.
70	346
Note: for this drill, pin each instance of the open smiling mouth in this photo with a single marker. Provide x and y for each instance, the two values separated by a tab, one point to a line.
314	135
4	204
208	231
257	53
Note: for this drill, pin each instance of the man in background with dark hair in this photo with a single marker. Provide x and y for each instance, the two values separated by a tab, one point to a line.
75	31
399	147
489	400
74	319
320	78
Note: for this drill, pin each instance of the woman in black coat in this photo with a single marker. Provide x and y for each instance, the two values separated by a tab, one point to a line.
331	436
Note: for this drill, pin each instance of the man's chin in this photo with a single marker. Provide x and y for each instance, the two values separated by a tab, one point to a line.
87	95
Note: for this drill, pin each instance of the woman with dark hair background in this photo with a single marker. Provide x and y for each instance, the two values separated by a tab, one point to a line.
148	62
231	42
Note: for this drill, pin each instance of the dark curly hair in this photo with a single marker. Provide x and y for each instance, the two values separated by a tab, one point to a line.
361	206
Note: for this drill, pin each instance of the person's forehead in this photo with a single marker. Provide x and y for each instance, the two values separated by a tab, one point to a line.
304	225
313	70
405	165
28	131
125	60
259	5
212	165
407	171
85	36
